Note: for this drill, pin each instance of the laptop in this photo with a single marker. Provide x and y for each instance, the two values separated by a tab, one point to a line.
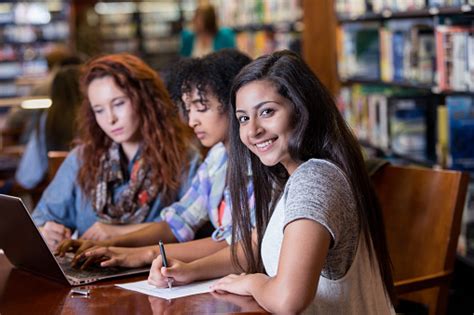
26	249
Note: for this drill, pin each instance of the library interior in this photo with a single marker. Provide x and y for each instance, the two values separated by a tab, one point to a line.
400	72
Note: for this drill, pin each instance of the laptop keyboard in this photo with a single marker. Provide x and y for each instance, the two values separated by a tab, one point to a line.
93	271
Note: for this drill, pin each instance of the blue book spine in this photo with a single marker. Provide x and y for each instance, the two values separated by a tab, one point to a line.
461	132
398	47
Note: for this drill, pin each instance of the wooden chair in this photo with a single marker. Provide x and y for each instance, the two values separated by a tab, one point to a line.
55	159
422	209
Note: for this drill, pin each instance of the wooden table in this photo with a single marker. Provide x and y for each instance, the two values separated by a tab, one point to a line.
25	293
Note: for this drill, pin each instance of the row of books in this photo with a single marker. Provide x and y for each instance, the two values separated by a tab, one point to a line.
145	28
408	51
355	8
55	31
33	12
28	29
13	69
247	12
391	120
413	126
264	42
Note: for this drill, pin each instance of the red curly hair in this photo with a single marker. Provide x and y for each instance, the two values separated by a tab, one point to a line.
163	133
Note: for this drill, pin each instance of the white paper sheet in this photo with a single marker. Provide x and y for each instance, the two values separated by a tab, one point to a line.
166	293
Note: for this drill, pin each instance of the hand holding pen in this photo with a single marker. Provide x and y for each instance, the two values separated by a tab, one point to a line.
165	262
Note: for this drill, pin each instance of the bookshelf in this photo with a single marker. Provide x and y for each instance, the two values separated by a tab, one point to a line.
425	53
321	47
262	26
148	29
387	14
151	29
27	31
406	71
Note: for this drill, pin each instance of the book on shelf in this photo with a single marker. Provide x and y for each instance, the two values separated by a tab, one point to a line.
454	57
246	12
386	54
378	121
354	8
359	51
461	132
352	103
442	136
410	132
448	3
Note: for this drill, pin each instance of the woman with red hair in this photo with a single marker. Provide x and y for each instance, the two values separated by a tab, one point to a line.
132	160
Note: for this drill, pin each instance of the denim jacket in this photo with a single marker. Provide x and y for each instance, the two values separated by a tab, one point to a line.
64	202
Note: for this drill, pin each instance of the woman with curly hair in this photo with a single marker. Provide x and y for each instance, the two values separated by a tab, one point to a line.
132	159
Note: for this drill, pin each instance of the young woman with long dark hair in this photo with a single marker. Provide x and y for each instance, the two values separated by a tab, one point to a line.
319	243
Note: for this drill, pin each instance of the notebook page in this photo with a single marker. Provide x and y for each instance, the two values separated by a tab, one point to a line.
166	293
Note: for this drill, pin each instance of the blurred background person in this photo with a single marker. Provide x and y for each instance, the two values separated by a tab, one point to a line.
21	121
55	129
206	36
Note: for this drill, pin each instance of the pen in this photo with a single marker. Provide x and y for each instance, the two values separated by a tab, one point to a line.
165	261
83	292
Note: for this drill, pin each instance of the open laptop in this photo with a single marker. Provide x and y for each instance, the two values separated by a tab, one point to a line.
25	247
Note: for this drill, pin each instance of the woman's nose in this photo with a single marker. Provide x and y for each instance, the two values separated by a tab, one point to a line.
254	129
112	118
192	120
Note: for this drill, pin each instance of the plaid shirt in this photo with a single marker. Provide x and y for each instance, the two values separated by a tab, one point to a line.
200	203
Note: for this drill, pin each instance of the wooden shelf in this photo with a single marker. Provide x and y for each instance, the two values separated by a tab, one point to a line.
428	12
418	86
390	154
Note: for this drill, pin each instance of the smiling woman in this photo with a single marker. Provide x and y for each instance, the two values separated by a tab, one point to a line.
315	200
131	146
315	241
265	123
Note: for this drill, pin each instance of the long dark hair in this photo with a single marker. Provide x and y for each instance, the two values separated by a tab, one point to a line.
320	132
207	14
164	137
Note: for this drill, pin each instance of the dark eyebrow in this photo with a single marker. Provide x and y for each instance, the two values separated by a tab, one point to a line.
257	106
198	100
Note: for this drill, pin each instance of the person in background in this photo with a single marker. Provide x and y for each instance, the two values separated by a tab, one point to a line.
201	89
206	36
319	243
132	159
25	121
55	130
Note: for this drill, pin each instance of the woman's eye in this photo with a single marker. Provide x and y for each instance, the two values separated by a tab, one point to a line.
202	107
242	119
97	111
119	104
266	112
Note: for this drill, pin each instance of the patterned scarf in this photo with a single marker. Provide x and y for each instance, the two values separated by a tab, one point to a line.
133	204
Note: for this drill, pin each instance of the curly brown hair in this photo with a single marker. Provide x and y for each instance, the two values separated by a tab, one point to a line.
163	133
